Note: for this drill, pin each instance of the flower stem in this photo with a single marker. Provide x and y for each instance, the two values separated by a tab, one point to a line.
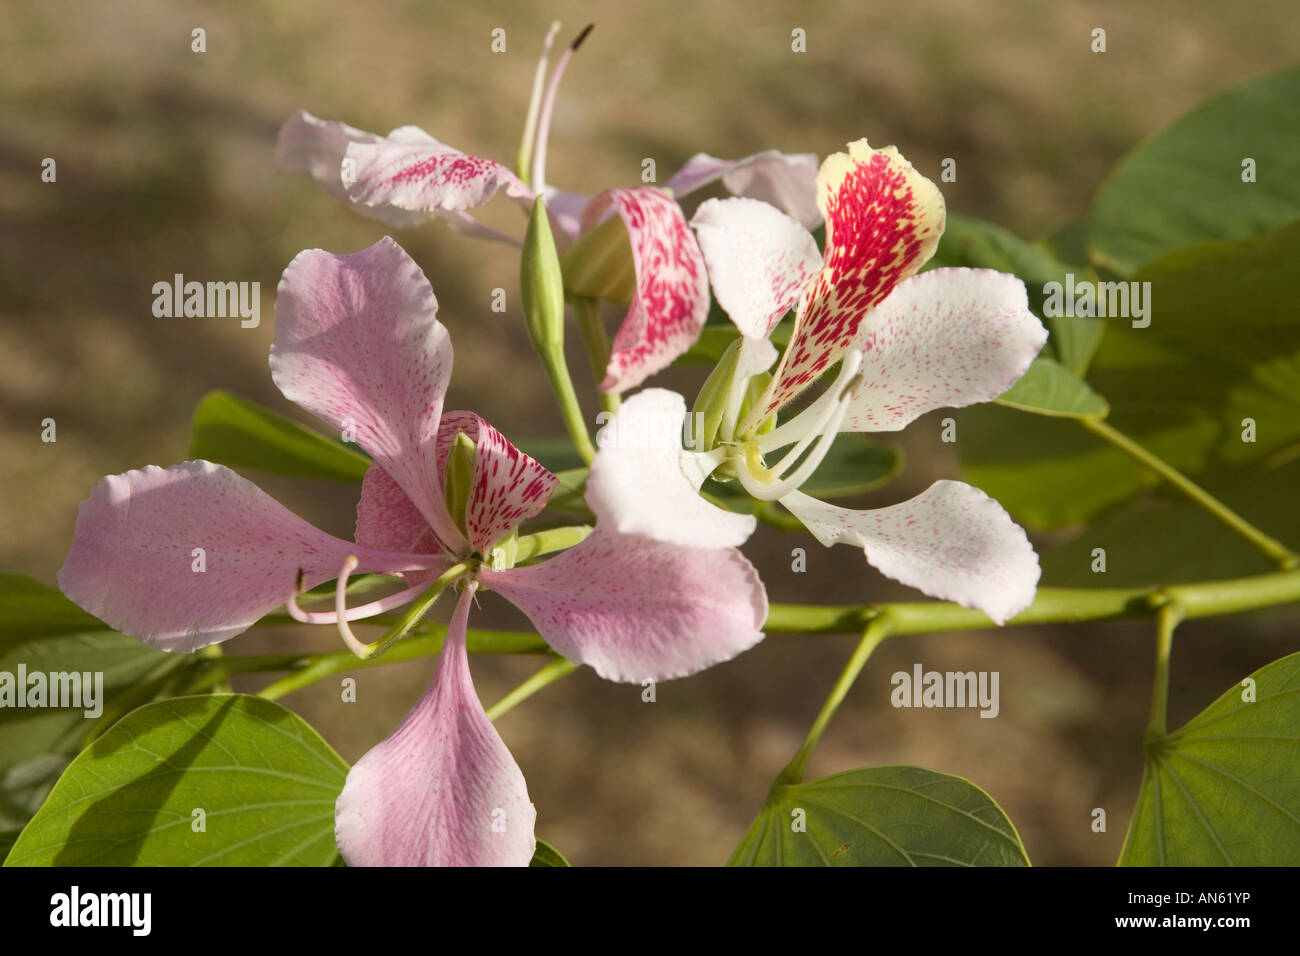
548	674
875	632
1272	548
558	372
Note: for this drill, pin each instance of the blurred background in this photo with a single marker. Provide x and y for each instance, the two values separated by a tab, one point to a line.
165	165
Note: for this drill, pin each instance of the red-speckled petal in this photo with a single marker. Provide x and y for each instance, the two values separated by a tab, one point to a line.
943	339
636	609
759	260
952	541
443	790
786	180
135	564
427	177
315	146
509	487
358	343
671	300
883	221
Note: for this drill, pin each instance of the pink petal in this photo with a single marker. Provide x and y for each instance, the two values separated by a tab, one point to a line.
759	260
943	339
132	561
671	300
358	343
952	541
387	520
443	790
786	180
637	609
644	482
565	209
427	176
509	487
883	221
315	146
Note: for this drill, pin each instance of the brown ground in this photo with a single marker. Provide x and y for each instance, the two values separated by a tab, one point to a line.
165	165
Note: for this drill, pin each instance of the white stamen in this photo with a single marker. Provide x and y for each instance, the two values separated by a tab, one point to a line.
812	420
771	491
548	109
378	606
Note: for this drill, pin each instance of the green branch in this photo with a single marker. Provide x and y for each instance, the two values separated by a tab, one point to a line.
875	632
1051	606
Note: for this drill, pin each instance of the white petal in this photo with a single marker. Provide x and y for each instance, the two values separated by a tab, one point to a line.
759	260
952	541
942	339
644	482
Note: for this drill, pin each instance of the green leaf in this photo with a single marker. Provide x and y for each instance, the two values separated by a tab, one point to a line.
41	631
36	744
1223	345
264	779
1184	185
856	463
29	610
242	434
974	244
547	855
1051	473
881	816
1223	790
1049	388
1170	539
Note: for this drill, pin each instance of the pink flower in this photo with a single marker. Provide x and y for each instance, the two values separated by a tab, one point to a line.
404	176
358	344
908	344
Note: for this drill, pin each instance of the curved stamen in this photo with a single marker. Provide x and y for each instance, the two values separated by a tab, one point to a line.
355	645
771	491
812	420
534	104
378	606
548	108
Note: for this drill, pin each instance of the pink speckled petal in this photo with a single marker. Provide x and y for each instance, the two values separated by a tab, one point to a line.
132	561
883	221
786	180
443	790
644	482
942	339
387	520
316	146
358	343
509	486
952	541
427	176
671	300
759	260
636	609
